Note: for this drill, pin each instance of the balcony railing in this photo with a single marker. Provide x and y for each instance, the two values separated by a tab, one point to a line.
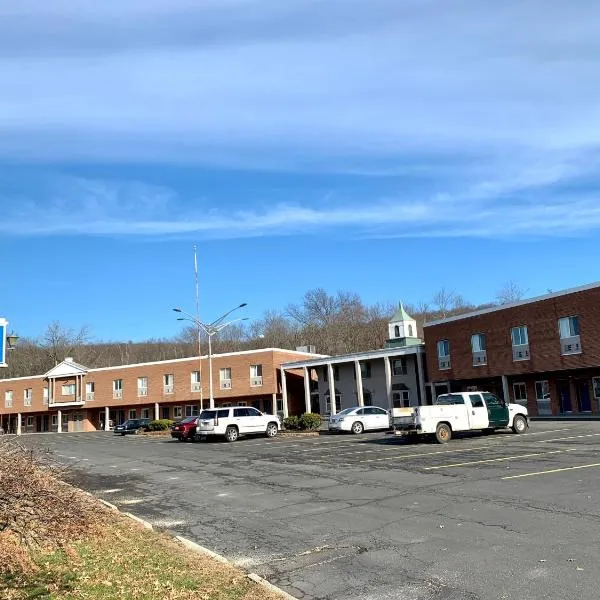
571	345
90	396
521	352
143	391
196	386
169	389
256	381
225	384
444	363
117	394
480	358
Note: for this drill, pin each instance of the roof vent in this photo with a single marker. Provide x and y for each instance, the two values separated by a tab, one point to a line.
307	349
68	359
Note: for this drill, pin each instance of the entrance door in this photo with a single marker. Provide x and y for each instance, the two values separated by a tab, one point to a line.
584	402
77	421
478	418
564	396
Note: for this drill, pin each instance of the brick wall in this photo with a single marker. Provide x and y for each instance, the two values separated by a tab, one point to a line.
541	319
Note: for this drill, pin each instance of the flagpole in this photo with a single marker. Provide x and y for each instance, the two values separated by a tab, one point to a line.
199	331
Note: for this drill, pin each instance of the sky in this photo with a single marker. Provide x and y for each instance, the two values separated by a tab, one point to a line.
389	147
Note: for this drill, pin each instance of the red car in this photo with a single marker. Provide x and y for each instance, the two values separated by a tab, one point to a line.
185	430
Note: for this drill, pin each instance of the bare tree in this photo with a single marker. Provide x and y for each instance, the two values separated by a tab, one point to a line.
511	291
59	342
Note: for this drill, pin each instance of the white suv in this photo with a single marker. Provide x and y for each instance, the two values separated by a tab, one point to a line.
235	421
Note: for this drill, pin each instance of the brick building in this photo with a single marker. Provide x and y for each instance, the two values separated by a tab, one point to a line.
71	397
543	352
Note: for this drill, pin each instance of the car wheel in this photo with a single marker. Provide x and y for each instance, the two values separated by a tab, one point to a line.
272	430
122	434
519	424
231	434
443	433
357	428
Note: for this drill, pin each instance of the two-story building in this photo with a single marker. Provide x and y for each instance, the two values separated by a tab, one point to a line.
542	352
391	377
71	397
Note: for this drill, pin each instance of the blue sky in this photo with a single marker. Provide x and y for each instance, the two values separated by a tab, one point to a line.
389	147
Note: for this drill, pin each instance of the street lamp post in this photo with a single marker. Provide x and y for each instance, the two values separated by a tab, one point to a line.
211	329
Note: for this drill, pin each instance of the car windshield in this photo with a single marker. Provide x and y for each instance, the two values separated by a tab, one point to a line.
346	411
208	414
133	422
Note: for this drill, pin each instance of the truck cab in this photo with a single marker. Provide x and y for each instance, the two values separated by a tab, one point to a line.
460	411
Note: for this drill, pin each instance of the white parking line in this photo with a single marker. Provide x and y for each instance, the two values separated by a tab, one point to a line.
491	460
593	465
573	437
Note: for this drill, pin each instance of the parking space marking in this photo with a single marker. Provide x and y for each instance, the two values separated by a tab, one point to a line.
552	471
573	437
491	460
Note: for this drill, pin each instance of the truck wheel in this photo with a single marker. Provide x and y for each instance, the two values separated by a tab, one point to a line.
443	433
488	431
272	430
231	434
519	424
357	428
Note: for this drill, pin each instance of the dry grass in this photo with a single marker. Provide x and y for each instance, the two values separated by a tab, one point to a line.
58	543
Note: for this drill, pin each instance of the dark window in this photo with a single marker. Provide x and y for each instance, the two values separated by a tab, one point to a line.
252	412
397	331
165	412
241	412
476	401
492	400
361	411
449	399
223	413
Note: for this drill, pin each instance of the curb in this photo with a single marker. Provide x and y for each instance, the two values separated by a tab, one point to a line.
205	551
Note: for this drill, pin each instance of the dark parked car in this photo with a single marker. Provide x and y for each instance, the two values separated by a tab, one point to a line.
132	426
185	430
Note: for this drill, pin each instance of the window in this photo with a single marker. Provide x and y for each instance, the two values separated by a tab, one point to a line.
90	390
177	412
410	331
543	398
519	335
132	413
45	393
68	389
336	373
195	381
241	412
596	387
478	343
568	327
476	401
399	366
367	398
54	420
168	383
279	405
520	393
195	376
492	400
118	388
27	394
142	386
443	348
225	378
401	399
450	399
145	413
365	370
8	399
29	421
165	412
192	410
256	375
254	412
397	331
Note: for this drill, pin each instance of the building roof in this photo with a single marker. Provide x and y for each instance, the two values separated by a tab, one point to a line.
485	311
67	368
401	315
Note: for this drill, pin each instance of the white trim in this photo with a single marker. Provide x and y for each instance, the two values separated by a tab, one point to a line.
485	311
347	358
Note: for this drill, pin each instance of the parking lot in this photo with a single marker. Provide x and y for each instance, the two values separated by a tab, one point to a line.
348	517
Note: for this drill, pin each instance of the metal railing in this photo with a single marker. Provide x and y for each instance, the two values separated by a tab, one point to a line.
143	391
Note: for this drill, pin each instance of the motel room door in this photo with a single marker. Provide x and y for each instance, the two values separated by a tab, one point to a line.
77	420
564	396
584	402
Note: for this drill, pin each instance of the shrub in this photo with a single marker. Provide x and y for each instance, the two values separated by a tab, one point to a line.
292	422
310	421
160	425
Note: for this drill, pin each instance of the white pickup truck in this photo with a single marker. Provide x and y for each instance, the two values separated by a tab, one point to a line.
464	411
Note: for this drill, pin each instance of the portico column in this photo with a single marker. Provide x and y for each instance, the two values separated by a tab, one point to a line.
284	394
307	390
274	410
19	419
421	376
505	390
59	420
359	386
332	398
106	419
156	411
388	382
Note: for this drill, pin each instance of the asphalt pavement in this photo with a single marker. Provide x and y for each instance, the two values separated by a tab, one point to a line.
345	517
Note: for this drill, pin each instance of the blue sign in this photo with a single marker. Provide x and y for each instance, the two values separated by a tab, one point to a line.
3	325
